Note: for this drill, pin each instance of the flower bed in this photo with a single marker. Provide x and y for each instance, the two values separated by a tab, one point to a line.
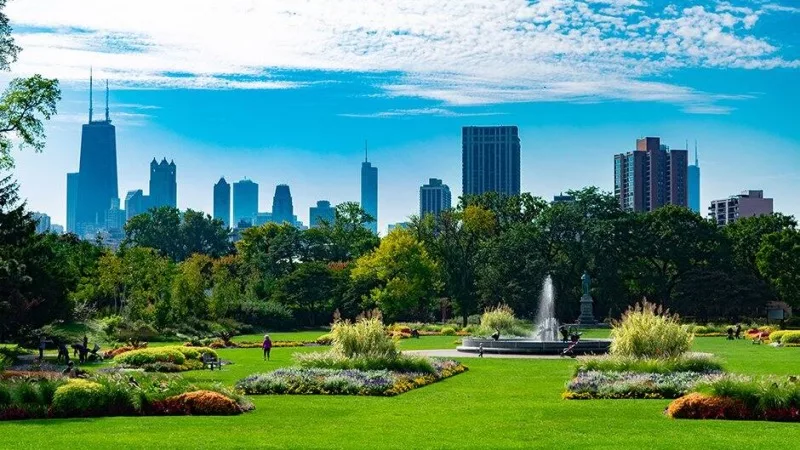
689	362
741	398
628	385
166	359
130	394
345	382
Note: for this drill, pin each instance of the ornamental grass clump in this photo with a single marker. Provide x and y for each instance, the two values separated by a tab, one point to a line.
363	345
501	318
648	331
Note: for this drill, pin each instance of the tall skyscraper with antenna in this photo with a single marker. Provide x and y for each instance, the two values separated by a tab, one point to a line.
98	187
693	176
369	190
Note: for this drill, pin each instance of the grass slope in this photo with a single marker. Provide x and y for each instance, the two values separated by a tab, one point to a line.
499	403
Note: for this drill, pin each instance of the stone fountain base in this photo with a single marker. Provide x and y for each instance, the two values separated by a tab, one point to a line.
531	347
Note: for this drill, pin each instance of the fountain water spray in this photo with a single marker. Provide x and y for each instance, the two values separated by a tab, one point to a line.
546	328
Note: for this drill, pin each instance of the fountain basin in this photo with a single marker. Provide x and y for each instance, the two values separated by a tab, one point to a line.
533	347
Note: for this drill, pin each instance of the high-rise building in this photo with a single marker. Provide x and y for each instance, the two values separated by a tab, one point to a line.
693	175
490	160
135	204
561	198
746	204
245	202
434	197
163	184
282	209
322	212
399	225
57	229
98	170
261	218
369	191
72	201
222	202
651	176
42	222
115	218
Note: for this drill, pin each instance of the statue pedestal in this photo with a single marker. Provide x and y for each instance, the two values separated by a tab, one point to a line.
587	313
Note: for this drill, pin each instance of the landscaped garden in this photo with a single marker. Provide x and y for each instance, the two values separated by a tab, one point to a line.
498	403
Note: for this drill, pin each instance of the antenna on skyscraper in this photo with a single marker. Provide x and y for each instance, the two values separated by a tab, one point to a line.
366	154
108	119
90	94
696	163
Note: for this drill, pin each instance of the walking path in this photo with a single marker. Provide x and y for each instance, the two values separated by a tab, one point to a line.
453	353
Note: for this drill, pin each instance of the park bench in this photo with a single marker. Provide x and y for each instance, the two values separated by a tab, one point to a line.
211	361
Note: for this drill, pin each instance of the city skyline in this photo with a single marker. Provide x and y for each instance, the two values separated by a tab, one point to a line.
578	94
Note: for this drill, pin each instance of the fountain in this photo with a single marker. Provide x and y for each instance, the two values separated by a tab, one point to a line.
544	339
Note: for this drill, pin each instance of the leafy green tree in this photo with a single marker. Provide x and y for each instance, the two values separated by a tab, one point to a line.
408	275
228	287
667	244
25	103
271	250
453	239
348	235
747	234
178	235
307	291
191	288
777	262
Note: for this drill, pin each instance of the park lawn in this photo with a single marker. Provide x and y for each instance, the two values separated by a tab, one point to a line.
499	403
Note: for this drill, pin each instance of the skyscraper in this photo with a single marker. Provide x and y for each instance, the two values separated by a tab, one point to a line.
490	159
323	211
115	217
163	184
694	183
651	176
282	209
245	201
72	201
135	204
369	191
98	170
433	197
222	202
735	207
42	222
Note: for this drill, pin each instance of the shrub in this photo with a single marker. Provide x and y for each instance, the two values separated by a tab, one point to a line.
647	331
759	394
82	398
690	362
325	339
206	403
789	337
776	336
332	360
699	406
448	331
151	355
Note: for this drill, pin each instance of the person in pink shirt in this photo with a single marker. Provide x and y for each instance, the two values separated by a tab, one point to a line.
267	346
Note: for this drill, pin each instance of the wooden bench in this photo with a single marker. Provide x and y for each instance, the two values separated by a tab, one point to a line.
211	361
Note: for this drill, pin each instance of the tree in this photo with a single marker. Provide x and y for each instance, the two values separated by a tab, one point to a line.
408	275
307	291
667	244
25	103
271	250
190	285
777	262
453	239
178	235
746	235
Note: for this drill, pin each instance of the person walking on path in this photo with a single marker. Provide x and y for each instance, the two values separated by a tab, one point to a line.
267	346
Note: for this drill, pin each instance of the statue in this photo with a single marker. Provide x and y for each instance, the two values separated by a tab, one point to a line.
587	283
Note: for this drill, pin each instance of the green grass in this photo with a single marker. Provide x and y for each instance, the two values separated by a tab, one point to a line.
499	403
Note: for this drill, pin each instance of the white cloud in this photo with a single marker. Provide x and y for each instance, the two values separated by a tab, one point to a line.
437	112
460	52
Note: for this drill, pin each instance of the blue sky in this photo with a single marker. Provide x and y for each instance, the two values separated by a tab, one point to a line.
287	91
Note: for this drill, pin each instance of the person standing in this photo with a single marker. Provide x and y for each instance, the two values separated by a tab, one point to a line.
267	346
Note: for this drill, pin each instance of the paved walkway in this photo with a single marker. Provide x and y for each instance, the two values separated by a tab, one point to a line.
453	353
